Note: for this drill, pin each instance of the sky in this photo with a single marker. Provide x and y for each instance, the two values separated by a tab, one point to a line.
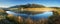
48	3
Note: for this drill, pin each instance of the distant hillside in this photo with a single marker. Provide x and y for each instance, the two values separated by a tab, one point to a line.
55	7
28	6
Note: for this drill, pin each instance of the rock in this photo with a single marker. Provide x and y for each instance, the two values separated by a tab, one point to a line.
10	17
3	14
2	11
54	20
18	19
29	21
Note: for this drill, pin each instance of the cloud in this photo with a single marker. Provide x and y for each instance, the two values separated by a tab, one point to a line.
4	6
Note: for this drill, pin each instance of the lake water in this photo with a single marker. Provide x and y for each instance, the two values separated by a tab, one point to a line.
34	17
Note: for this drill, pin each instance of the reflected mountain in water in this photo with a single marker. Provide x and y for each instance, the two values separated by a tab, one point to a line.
34	17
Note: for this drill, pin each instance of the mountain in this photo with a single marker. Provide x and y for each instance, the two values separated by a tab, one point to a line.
28	6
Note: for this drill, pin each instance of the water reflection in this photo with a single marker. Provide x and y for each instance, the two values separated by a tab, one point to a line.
43	15
37	16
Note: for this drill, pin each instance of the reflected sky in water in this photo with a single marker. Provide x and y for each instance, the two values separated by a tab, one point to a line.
36	16
43	15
